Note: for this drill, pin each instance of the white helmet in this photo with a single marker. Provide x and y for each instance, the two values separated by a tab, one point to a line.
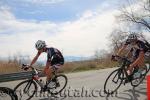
40	44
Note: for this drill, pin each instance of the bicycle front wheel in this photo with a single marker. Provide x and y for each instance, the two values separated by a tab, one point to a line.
7	94
26	89
59	85
113	81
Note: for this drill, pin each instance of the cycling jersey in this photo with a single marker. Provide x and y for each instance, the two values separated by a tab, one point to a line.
139	46
54	56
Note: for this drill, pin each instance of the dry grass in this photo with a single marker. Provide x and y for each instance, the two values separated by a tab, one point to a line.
86	65
6	67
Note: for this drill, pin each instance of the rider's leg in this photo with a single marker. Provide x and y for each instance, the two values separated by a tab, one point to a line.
48	72
139	63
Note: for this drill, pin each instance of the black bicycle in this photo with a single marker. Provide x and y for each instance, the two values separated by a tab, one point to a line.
7	94
120	75
28	88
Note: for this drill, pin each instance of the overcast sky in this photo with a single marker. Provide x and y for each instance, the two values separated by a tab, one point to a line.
76	27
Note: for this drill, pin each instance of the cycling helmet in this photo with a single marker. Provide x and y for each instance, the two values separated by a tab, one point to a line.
132	36
40	44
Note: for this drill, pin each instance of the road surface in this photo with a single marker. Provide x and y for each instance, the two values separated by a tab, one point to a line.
89	85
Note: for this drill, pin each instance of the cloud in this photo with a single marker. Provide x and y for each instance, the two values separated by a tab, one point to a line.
42	2
80	37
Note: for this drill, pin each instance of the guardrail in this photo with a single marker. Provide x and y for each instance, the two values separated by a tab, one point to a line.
15	76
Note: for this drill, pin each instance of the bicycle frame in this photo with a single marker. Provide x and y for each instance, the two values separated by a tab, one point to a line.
36	77
122	69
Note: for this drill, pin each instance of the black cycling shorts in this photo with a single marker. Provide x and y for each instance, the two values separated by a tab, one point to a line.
56	59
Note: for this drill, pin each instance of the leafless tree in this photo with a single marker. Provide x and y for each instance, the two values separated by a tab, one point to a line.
117	39
138	13
134	17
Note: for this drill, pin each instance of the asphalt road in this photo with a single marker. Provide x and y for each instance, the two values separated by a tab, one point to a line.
89	85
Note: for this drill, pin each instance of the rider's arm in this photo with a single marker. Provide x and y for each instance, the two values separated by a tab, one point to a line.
129	53
35	58
139	60
121	49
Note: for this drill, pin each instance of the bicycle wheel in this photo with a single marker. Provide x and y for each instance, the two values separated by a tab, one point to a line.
7	94
137	80
59	85
115	77
26	89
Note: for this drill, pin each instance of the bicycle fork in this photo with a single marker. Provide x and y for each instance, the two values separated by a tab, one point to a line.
118	74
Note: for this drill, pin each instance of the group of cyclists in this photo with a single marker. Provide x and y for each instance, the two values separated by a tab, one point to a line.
55	58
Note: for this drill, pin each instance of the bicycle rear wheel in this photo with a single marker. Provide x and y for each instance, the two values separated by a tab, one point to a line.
59	85
26	89
137	80
115	77
7	94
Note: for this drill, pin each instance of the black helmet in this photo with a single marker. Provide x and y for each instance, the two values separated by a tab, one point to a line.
132	36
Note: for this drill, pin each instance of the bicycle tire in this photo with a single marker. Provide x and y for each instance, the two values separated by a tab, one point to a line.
143	77
27	81
9	92
116	72
66	81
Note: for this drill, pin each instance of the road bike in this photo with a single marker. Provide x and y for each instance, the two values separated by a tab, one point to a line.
120	75
28	88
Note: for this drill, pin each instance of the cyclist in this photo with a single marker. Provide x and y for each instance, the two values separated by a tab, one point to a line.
138	50
54	58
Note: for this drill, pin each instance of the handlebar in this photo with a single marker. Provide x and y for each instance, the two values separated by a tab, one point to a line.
36	71
120	58
123	61
113	57
25	65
